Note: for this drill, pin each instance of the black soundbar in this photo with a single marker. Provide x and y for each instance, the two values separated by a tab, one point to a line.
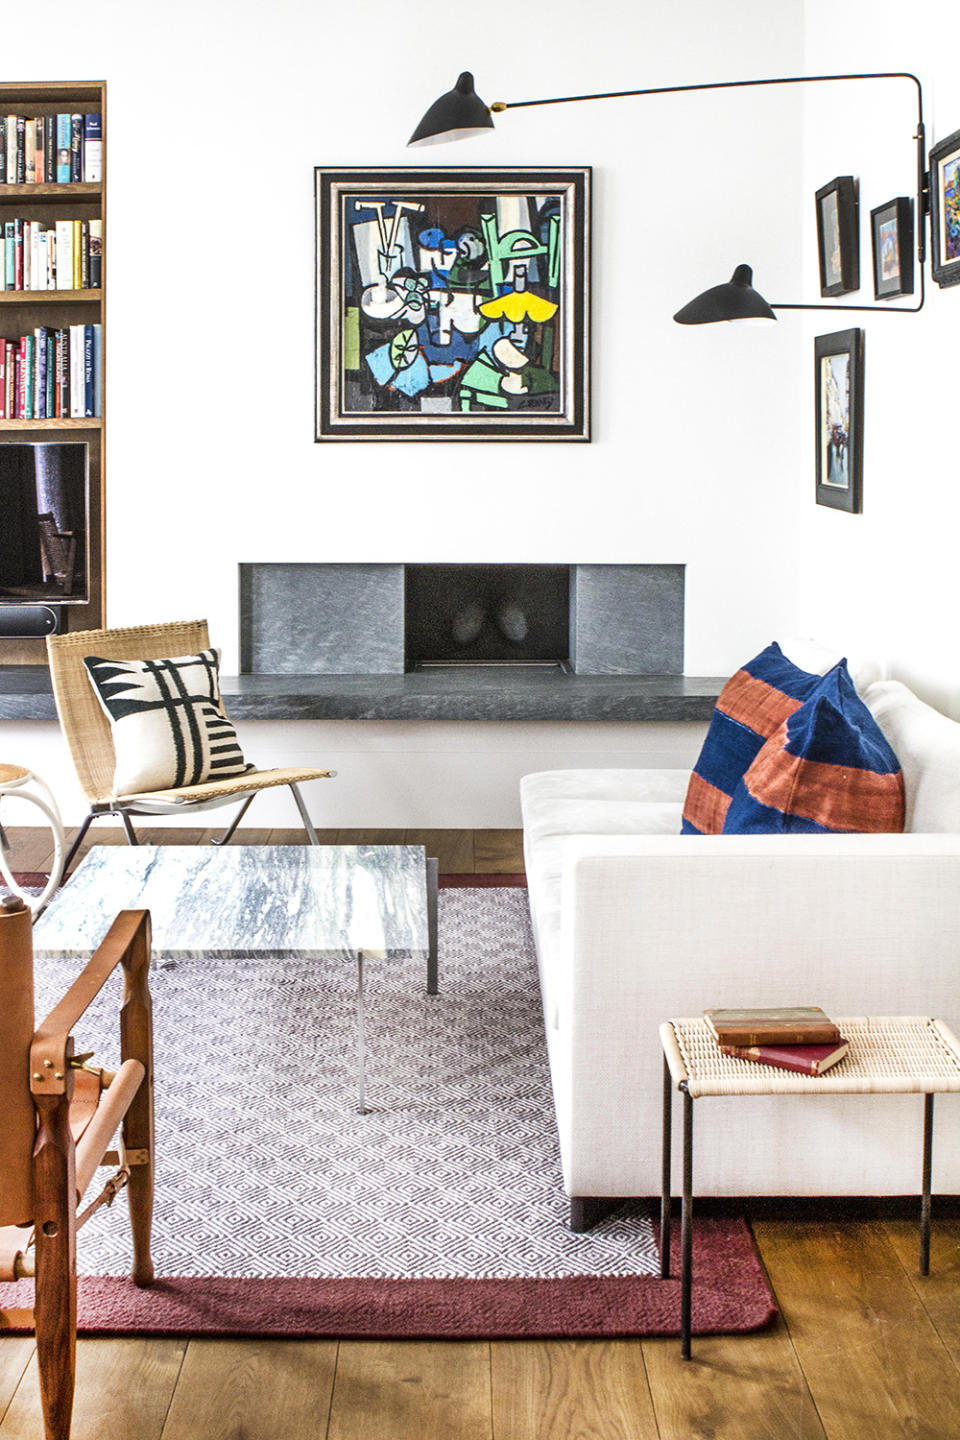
24	622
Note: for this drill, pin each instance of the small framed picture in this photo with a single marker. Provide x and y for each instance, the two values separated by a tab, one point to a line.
839	419
892	230
838	236
945	210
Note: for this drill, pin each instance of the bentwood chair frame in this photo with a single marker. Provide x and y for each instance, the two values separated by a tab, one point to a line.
49	1097
88	735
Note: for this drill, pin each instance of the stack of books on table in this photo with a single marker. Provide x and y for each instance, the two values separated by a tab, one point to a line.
801	1038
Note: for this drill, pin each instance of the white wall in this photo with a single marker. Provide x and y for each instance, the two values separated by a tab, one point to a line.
217	115
885	581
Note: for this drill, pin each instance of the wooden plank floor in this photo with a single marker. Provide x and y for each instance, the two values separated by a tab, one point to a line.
864	1348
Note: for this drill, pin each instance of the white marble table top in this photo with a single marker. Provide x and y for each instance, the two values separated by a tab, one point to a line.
282	900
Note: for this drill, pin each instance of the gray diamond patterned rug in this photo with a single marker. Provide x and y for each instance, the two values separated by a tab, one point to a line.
280	1209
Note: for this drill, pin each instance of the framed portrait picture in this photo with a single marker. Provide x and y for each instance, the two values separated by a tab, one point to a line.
838	236
891	228
839	419
945	210
453	304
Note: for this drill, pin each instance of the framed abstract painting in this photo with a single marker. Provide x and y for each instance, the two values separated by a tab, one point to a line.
839	419
453	304
945	210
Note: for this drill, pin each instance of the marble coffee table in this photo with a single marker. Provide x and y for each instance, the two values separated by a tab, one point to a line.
334	902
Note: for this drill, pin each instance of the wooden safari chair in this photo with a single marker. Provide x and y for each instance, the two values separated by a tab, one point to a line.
58	1117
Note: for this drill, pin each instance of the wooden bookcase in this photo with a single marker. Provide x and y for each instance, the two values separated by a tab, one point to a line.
21	311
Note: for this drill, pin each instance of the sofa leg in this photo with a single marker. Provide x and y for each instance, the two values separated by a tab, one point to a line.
588	1210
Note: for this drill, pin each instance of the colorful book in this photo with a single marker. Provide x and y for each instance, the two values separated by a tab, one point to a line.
76	147
88	372
30	152
49	149
92	149
10	126
65	255
784	1025
64	128
21	149
806	1059
97	370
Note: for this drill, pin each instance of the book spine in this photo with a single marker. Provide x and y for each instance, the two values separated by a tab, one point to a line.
63	149
88	373
40	391
50	345
85	254
38	149
96	254
76	147
18	255
10	387
63	374
3	150
30	152
92	149
97	370
11	147
16	412
64	255
9	255
21	150
26	377
782	1035
49	149
3	382
75	241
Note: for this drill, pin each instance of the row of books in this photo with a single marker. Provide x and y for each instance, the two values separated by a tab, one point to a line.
67	255
52	374
801	1038
51	149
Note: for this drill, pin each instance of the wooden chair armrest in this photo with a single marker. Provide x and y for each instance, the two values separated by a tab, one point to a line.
126	943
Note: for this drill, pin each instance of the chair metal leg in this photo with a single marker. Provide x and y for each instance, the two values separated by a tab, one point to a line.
304	814
77	842
686	1227
665	1178
432	953
925	1203
227	835
128	827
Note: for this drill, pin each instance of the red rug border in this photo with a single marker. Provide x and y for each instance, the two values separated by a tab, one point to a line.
730	1296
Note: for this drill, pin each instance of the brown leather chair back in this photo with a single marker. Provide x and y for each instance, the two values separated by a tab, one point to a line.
17	1114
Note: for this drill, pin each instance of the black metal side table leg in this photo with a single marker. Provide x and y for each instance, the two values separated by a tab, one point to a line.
927	1171
665	1183
686	1224
432	956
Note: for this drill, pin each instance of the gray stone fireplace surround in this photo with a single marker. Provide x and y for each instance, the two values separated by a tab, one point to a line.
391	619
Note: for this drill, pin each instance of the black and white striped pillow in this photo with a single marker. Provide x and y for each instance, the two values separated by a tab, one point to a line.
168	729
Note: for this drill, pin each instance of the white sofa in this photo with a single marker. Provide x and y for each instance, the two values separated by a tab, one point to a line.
635	923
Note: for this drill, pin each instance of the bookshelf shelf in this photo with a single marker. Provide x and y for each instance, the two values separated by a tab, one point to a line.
51	297
23	312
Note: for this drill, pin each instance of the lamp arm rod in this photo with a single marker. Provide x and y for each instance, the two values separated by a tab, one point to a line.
499	105
923	194
880	309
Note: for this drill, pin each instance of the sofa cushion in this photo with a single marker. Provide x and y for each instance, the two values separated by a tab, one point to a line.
751	706
167	726
928	746
827	767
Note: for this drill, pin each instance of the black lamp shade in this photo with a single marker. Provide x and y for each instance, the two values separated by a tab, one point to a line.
737	300
455	116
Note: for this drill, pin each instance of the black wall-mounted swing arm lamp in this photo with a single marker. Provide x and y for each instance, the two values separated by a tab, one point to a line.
460	114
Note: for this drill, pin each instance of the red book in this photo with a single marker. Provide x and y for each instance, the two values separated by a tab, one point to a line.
808	1059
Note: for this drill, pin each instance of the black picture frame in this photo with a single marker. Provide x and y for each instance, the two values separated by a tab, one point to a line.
838	236
891	229
838	410
945	210
453	304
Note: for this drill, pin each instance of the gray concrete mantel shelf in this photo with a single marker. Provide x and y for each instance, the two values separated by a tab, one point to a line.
481	694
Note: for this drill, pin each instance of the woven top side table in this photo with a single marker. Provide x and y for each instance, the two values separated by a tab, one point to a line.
894	1055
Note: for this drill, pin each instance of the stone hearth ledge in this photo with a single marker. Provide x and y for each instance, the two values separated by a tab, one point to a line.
469	694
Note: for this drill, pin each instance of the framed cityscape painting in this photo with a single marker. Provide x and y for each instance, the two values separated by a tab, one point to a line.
453	304
838	236
839	419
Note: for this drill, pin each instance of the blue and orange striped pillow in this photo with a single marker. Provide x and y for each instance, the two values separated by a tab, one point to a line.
751	707
827	767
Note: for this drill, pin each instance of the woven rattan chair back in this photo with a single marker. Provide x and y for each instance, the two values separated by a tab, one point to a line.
82	719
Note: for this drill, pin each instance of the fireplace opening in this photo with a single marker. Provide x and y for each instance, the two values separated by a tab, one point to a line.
456	615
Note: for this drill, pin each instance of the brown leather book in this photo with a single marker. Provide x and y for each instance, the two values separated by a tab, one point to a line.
789	1025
